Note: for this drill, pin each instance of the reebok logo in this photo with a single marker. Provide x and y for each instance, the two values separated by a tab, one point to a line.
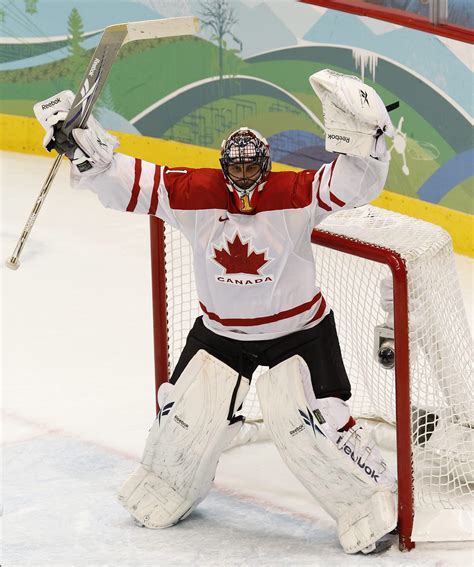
179	421
165	410
94	67
101	143
364	97
339	138
296	430
51	103
368	470
308	418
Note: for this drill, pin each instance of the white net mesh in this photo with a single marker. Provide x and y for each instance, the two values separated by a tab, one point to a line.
440	347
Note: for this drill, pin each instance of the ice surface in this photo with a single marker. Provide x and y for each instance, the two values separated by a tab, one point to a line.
78	400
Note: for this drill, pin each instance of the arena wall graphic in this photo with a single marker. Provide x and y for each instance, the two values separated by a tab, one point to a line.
194	90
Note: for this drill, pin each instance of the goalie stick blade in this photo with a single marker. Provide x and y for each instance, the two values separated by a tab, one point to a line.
154	29
113	38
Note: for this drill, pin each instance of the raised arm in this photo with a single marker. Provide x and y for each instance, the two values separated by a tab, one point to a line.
348	182
121	182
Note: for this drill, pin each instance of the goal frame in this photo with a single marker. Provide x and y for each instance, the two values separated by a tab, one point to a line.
354	247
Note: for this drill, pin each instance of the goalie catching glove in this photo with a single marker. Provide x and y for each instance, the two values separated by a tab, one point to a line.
90	149
355	117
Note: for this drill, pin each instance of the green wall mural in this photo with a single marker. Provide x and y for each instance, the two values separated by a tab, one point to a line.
250	66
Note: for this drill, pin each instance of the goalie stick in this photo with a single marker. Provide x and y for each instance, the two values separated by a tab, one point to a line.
113	38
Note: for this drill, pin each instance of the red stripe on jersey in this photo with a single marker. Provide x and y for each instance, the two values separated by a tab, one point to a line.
154	194
336	200
320	311
321	203
263	320
136	186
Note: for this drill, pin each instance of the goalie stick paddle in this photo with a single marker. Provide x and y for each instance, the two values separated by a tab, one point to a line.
113	38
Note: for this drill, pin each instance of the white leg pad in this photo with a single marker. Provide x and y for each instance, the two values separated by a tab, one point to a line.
345	486
193	427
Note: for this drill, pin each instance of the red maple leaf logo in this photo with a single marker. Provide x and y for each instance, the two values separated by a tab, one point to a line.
238	260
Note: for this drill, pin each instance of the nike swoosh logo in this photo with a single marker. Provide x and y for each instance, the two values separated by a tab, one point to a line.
223	219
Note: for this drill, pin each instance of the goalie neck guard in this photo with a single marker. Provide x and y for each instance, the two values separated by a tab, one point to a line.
245	147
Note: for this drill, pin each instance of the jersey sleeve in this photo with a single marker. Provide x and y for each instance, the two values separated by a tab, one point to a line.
137	186
346	183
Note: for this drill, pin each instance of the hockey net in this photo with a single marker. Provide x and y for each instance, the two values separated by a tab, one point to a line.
422	410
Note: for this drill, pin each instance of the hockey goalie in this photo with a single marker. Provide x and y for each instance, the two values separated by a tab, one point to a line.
247	223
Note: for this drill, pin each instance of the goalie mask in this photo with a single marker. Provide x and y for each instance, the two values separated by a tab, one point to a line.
245	162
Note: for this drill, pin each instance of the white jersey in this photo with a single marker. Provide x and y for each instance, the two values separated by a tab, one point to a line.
255	273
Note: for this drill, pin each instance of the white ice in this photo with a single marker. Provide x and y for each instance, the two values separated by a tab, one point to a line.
77	368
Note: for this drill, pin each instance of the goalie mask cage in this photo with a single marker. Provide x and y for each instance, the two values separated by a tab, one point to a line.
425	401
